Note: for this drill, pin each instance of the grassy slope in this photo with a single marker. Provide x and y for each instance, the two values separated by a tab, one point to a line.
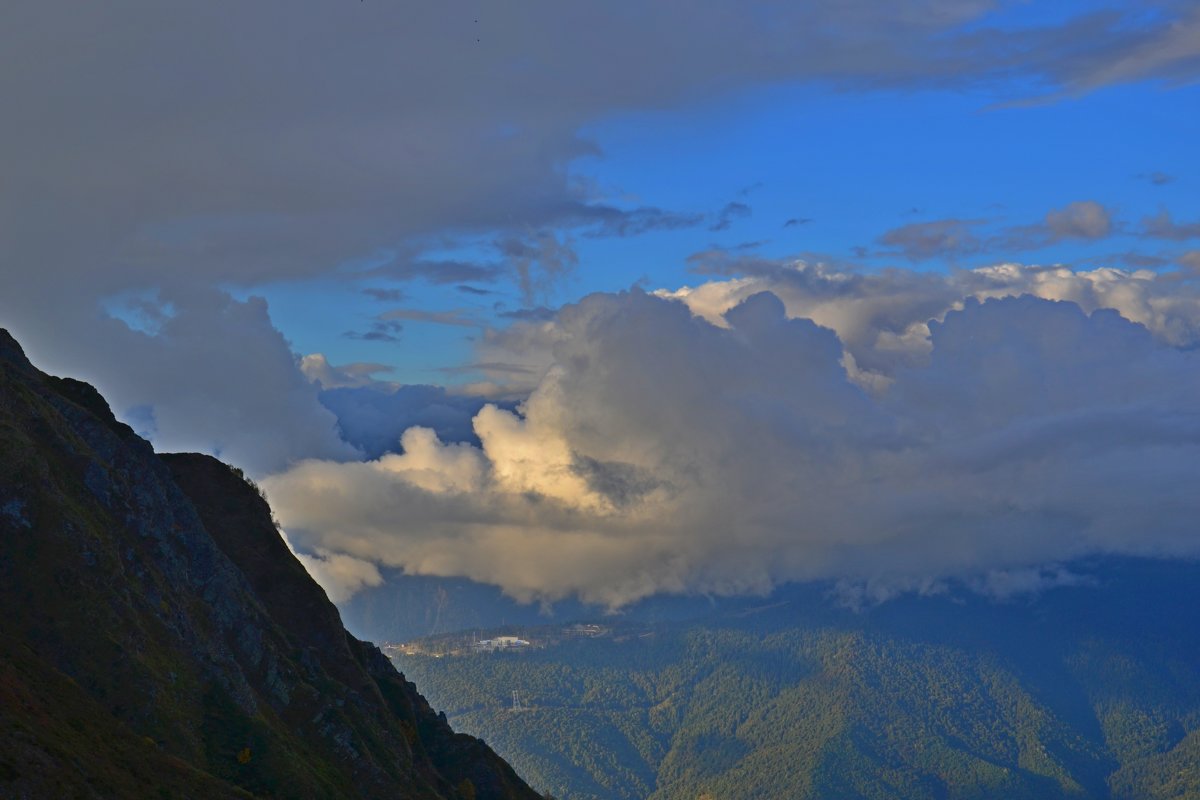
143	655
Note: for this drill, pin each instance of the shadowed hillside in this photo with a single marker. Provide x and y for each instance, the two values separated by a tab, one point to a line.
159	640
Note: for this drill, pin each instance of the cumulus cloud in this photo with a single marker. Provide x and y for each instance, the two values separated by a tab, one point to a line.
1083	219
338	574
373	416
665	451
211	374
882	318
317	369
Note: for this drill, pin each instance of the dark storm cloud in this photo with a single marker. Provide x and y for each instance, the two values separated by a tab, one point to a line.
254	142
180	147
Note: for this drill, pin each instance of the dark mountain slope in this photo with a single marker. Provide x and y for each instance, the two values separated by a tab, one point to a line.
159	641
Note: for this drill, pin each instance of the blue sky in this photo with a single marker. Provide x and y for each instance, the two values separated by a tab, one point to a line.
847	166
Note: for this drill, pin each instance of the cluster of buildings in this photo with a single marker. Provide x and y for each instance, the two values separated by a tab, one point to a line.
499	643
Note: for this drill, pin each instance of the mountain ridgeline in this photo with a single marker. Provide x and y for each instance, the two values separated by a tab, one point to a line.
1090	691
158	639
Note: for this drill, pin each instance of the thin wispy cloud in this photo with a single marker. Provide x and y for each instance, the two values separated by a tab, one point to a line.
1163	226
488	366
949	238
1157	178
454	317
382	330
538	314
635	222
441	272
473	290
727	216
1084	220
385	295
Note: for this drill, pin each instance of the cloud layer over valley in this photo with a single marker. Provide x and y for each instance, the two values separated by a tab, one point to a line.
802	423
343	245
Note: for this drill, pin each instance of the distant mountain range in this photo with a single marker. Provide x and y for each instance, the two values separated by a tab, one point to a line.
406	607
1083	692
158	639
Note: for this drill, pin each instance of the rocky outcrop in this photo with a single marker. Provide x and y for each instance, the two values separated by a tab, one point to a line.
159	640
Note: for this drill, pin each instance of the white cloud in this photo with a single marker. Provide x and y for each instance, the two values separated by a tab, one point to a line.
316	368
213	376
661	452
1083	219
338	574
882	318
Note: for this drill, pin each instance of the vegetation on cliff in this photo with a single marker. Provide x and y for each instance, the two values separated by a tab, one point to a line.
159	640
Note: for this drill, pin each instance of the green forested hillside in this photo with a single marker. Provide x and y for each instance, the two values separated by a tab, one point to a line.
1085	692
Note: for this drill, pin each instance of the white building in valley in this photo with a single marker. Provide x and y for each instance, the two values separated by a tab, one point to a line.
500	643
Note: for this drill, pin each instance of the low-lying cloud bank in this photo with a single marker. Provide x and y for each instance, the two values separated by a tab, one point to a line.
891	430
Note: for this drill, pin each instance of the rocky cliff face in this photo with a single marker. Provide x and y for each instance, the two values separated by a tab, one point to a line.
157	639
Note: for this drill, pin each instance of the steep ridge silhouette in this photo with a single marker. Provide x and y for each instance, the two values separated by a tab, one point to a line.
158	639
